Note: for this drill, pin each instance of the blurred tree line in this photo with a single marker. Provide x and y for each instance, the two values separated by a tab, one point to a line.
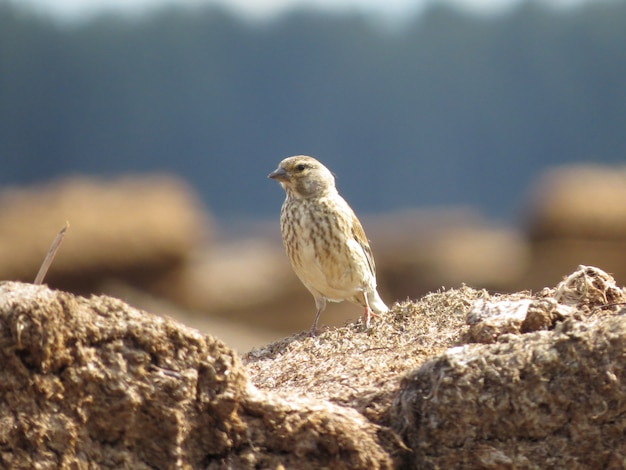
450	108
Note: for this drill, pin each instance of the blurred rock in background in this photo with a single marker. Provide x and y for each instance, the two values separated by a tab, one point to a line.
148	241
423	250
139	229
576	215
144	239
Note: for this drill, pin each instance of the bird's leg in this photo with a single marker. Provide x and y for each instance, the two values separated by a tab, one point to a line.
320	303
368	314
313	331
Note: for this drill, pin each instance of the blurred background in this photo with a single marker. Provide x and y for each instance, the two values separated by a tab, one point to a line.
480	141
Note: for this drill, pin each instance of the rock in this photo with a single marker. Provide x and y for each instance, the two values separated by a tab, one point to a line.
547	399
578	201
575	215
419	251
579	293
96	383
489	320
589	287
139	229
542	314
550	399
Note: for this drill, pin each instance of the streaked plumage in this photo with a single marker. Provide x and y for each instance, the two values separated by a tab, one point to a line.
324	240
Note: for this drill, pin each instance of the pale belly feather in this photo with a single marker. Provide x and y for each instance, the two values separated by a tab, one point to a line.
338	273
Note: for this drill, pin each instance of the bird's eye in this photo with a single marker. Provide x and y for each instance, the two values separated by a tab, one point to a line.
300	167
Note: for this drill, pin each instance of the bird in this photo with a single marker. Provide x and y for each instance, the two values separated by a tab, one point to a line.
324	240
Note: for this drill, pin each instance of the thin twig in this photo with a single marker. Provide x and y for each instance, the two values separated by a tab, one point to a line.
612	305
51	254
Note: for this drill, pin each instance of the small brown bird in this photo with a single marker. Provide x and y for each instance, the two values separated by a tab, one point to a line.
324	239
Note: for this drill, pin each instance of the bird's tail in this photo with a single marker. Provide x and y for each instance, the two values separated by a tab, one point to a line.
376	303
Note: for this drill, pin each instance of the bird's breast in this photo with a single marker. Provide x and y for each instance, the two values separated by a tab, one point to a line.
319	243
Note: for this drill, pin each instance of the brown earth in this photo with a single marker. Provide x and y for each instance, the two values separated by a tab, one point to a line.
458	379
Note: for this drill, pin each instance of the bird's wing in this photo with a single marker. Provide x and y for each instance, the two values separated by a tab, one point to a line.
359	235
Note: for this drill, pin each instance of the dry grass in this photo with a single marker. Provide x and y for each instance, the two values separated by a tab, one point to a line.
361	368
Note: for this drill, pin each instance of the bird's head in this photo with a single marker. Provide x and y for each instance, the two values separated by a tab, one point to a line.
303	177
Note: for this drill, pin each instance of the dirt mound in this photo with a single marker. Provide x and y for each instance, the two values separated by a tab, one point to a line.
94	382
139	229
549	399
576	214
579	201
459	379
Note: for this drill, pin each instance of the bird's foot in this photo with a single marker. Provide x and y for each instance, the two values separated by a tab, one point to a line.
367	316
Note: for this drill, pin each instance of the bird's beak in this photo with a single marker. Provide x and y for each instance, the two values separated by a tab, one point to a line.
279	174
